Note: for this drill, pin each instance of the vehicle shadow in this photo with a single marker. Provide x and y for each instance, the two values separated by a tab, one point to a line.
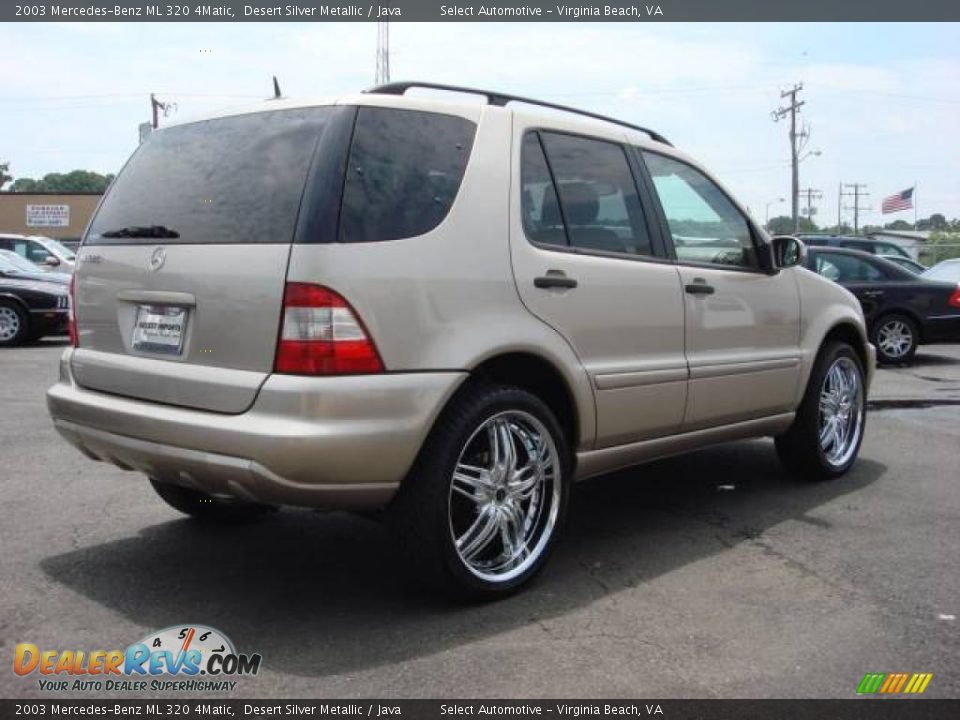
326	594
930	358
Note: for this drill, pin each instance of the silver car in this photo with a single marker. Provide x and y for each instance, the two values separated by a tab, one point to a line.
447	310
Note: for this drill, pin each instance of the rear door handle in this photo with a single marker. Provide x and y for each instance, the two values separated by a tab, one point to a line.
699	289
872	293
554	280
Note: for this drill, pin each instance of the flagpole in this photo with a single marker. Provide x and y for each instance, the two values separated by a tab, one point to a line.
914	205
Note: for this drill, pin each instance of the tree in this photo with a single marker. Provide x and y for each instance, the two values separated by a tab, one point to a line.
4	177
74	181
941	246
898	225
783	225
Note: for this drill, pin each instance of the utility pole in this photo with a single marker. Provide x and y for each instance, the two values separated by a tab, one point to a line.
839	206
856	191
778	115
812	195
156	107
383	53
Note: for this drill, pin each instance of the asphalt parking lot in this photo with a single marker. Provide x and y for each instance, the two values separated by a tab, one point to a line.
710	575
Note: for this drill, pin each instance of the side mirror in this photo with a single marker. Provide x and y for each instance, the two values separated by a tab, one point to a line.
51	261
788	251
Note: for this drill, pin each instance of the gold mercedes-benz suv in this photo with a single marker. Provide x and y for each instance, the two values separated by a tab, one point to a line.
446	310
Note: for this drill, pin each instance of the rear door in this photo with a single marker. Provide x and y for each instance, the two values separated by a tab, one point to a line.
589	262
181	275
742	325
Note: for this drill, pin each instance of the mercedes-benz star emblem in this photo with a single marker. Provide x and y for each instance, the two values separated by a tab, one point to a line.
158	258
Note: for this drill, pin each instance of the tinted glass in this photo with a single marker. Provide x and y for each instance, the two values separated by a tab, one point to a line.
539	204
231	180
597	194
706	226
847	268
403	173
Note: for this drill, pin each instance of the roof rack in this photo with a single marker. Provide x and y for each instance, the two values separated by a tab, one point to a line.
501	99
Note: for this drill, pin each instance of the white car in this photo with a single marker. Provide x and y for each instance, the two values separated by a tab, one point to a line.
944	271
43	251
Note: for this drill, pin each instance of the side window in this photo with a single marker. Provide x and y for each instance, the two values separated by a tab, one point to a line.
846	268
597	193
538	196
403	173
706	226
34	252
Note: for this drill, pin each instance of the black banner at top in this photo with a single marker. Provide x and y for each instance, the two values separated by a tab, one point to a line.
469	11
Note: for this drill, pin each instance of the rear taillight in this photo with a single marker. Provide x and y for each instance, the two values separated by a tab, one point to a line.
954	300
72	313
321	334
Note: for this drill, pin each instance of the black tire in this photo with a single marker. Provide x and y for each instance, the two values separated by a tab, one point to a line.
426	509
891	322
205	507
14	324
799	448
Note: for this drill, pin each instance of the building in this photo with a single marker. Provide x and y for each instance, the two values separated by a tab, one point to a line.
63	216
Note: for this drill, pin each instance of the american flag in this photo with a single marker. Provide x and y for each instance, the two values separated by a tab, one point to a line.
896	203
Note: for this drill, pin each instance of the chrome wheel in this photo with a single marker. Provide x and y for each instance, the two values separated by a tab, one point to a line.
9	323
505	496
895	339
841	411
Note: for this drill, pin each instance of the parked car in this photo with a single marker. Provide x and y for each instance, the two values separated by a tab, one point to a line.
448	310
13	265
31	305
40	250
903	310
945	271
906	263
875	247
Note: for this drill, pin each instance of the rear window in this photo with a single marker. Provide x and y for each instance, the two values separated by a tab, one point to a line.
403	173
230	180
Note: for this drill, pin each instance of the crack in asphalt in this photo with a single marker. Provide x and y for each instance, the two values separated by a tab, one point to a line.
910	404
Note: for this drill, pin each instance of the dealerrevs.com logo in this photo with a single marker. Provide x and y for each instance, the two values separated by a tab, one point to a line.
178	658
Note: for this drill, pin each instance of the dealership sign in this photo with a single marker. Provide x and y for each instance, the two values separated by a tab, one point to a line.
48	216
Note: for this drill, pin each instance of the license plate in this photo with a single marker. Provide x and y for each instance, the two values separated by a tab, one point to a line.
159	328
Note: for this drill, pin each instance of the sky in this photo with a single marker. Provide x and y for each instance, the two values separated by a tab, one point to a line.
881	100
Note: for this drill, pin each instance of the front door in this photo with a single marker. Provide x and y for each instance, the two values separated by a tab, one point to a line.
742	324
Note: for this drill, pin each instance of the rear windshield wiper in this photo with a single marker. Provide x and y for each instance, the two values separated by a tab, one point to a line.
152	231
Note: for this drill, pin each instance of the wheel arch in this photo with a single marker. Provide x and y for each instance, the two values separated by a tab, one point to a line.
541	377
851	334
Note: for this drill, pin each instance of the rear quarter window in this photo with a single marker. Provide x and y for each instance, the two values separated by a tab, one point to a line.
403	173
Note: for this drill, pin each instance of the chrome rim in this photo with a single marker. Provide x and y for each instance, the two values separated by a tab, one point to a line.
504	496
9	323
841	411
895	338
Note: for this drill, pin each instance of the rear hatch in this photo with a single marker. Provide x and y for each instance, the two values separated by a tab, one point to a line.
180	283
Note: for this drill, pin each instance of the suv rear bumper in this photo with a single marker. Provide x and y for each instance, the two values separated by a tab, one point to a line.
305	441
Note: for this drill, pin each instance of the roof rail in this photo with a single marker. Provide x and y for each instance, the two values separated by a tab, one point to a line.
501	99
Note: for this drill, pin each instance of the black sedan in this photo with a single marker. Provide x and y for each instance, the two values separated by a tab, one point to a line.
31	304
902	310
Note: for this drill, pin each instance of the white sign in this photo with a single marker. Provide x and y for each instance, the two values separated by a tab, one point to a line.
48	216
